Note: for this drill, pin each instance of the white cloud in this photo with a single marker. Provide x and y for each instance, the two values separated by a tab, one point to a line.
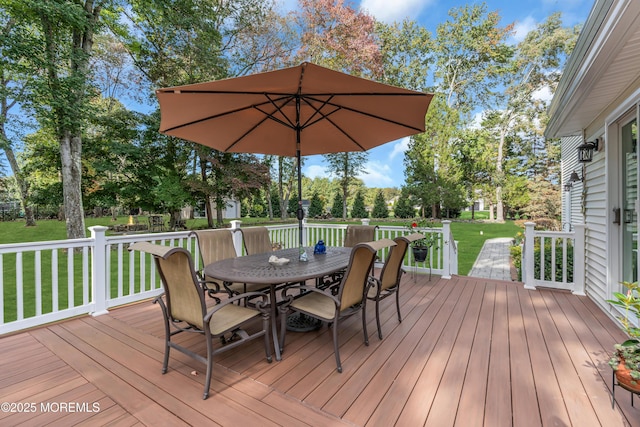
523	27
388	12
315	171
377	175
543	94
400	147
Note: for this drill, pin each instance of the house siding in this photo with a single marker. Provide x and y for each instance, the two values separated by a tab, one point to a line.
594	208
596	239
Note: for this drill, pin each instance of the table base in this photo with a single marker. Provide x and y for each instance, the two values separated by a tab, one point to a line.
298	322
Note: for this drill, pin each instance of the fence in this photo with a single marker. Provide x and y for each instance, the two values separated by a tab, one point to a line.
553	258
42	282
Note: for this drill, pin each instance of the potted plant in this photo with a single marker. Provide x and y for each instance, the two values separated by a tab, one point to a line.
421	247
626	358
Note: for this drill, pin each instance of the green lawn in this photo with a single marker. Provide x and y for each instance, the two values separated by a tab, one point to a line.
470	236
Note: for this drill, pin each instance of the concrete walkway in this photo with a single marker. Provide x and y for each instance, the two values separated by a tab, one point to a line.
493	260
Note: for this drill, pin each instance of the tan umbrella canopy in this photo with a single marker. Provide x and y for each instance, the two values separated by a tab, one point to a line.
297	111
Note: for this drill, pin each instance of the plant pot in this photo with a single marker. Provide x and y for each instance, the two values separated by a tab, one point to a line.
623	375
420	253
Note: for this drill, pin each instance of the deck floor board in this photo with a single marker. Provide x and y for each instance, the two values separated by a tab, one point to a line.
469	352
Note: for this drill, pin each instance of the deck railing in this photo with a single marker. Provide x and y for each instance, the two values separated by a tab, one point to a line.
42	282
553	259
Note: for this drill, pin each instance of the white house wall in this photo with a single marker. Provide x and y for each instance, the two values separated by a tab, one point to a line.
592	212
596	240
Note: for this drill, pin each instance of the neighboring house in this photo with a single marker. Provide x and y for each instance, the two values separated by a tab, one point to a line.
597	99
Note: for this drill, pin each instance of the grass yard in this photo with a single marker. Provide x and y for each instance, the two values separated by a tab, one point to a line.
470	236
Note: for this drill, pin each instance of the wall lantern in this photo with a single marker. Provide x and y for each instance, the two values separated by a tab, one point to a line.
585	151
575	177
567	186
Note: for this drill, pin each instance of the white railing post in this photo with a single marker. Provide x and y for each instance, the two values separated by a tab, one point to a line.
528	254
237	236
99	288
579	260
446	254
365	221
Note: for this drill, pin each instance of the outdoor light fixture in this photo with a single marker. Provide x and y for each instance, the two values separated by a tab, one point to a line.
575	178
586	149
567	186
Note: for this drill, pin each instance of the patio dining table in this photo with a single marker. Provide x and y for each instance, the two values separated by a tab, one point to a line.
257	269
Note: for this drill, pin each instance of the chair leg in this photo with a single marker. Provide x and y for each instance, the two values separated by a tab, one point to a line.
207	381
167	333
335	346
398	303
378	317
364	321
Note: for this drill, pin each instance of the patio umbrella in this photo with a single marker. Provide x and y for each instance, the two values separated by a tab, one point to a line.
296	111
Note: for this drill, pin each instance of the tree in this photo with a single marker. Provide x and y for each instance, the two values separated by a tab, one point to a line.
345	166
275	203
357	209
16	42
316	207
534	67
337	207
63	32
403	208
470	53
380	209
339	37
292	208
182	42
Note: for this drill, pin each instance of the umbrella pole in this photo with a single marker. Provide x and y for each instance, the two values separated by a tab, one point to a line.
300	212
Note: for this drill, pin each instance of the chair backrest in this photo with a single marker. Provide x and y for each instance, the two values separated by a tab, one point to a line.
184	296
351	291
256	240
359	234
390	273
215	245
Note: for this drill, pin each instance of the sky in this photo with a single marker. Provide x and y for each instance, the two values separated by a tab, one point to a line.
385	166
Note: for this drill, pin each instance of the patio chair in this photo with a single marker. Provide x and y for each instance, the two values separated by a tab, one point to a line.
216	245
354	234
256	240
184	309
359	233
348	300
389	281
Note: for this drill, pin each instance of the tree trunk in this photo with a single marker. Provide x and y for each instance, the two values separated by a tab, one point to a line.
207	197
490	211
500	176
70	156
23	185
269	204
208	212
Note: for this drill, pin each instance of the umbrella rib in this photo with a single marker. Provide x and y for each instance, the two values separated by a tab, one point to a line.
353	110
226	113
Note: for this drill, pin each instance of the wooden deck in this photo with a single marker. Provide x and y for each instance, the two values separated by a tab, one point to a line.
469	352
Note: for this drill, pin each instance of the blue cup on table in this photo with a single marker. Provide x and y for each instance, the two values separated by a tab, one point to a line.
320	248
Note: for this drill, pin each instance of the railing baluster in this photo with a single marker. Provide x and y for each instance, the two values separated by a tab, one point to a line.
38	284
19	287
54	281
